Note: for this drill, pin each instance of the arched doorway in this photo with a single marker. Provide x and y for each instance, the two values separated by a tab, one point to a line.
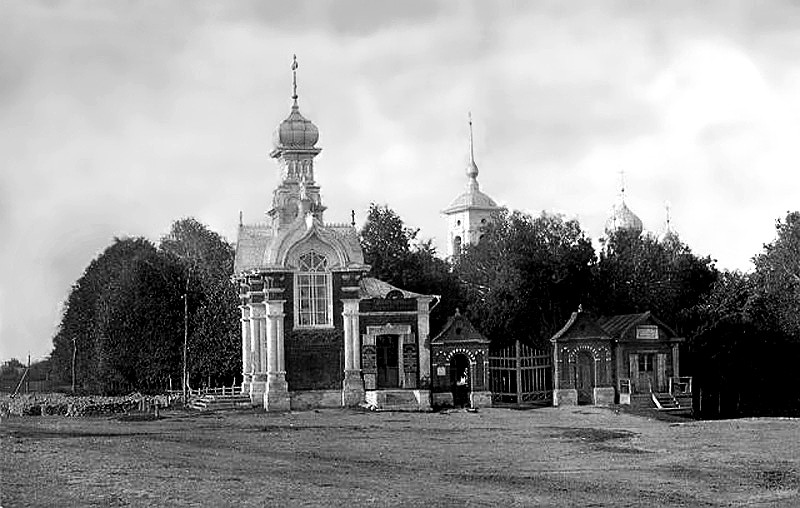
585	378
460	380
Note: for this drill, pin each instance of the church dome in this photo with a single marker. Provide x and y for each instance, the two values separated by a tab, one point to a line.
296	131
472	198
622	218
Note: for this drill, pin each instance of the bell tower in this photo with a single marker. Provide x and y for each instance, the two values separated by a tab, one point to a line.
471	212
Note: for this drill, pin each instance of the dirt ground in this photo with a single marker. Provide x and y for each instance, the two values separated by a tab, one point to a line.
500	457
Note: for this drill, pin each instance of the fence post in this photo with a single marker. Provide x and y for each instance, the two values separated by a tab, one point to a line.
519	373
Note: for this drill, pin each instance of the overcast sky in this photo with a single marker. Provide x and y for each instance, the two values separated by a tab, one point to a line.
116	118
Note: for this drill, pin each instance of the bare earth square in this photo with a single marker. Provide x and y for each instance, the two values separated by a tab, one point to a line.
554	456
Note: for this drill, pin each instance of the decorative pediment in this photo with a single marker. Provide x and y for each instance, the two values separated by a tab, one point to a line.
306	234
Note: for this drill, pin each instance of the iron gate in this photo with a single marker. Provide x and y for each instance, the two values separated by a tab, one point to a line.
520	375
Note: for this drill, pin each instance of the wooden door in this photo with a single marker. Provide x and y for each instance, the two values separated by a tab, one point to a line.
647	369
387	360
585	378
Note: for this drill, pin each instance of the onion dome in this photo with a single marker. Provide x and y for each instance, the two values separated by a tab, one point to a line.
622	218
668	236
296	131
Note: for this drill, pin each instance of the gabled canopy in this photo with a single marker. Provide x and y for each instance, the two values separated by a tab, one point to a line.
581	325
459	329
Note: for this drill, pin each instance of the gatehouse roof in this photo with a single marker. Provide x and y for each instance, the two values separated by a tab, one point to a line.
459	329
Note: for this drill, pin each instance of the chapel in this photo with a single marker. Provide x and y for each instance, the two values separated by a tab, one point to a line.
316	331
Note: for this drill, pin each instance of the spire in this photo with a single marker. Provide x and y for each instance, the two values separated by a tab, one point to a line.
622	185
294	80
668	218
472	168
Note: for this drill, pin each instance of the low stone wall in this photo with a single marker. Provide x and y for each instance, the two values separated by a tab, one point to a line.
65	405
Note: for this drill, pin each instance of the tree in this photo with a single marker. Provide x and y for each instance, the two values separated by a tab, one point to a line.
394	255
386	243
140	315
124	318
740	353
777	276
78	331
213	323
636	273
526	276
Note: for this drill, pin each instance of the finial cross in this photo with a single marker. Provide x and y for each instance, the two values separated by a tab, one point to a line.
294	78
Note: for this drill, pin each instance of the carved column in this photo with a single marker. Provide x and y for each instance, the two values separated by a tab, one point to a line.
258	384
247	364
276	397
352	386
676	361
424	343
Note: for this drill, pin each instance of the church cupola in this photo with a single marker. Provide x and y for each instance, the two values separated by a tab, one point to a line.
294	143
669	235
296	132
622	218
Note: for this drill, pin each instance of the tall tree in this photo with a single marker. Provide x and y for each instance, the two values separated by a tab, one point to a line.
140	316
636	273
395	256
78	336
207	260
777	275
526	276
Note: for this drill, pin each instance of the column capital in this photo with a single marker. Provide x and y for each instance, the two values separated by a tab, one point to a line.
350	306
257	310
275	308
423	304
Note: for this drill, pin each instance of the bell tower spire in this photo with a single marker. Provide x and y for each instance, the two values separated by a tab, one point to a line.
472	168
470	214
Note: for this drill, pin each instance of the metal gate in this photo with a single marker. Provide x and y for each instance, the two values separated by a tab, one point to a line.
520	375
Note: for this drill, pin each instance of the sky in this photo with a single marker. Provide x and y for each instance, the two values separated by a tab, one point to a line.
118	118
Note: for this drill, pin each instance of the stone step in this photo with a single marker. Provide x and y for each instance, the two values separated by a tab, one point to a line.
218	402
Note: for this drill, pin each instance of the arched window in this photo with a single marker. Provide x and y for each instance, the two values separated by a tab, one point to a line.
457	246
312	292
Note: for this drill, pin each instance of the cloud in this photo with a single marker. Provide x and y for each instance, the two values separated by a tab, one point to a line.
118	118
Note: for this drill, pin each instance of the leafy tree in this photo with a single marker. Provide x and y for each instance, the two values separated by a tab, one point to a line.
526	276
140	315
124	318
636	273
214	328
777	276
78	333
387	244
740	353
396	257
